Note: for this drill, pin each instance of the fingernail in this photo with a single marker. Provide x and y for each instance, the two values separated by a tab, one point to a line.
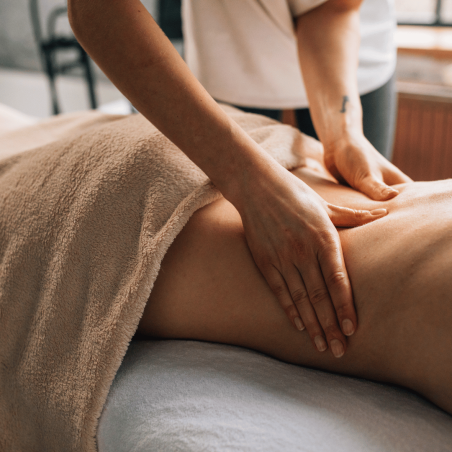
320	343
378	212
389	192
347	327
298	323
337	348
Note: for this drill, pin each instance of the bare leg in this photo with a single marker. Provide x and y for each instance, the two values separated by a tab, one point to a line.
210	289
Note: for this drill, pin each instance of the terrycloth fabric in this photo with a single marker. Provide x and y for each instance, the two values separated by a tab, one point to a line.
85	222
186	396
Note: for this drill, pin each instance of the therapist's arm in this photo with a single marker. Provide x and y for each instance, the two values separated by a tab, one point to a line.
288	227
329	38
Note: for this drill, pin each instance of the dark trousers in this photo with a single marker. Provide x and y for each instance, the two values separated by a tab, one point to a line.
379	116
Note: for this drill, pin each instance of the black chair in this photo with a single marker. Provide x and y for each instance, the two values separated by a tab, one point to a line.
51	45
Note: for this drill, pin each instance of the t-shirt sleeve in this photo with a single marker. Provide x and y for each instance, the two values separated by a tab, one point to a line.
299	7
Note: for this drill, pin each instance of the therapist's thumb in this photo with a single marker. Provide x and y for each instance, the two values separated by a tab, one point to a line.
375	188
343	217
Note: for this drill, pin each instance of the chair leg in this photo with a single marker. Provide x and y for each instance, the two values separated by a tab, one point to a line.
48	58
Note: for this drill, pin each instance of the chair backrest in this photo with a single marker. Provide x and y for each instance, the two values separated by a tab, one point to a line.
54	11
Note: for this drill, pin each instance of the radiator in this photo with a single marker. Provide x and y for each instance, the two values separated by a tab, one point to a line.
423	141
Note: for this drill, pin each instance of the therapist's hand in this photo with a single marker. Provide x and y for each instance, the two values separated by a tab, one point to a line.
328	46
355	161
290	232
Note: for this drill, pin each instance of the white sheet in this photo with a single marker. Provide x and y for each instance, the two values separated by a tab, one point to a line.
11	119
192	397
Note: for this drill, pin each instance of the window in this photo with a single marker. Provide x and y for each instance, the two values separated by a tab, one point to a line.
424	12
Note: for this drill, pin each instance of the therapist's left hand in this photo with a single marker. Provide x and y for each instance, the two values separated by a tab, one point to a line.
355	161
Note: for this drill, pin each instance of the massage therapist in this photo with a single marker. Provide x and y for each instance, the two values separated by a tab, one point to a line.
290	230
252	54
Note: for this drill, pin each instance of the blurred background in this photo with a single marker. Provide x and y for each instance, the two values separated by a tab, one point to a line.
44	71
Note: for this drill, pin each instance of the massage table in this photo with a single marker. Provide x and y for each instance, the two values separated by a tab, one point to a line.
192	396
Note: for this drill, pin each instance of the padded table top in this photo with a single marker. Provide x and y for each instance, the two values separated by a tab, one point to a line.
192	396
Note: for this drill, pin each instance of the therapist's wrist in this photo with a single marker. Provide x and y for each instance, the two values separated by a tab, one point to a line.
345	129
237	165
340	120
246	184
343	139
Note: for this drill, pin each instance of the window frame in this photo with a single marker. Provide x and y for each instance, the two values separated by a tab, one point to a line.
438	22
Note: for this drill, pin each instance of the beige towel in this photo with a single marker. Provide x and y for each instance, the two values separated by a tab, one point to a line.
85	222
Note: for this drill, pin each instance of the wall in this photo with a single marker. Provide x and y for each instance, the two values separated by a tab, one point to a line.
17	45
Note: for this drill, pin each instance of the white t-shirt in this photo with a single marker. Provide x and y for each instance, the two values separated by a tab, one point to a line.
245	52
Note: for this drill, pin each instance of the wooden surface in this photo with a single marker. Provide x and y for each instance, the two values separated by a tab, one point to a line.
423	141
424	92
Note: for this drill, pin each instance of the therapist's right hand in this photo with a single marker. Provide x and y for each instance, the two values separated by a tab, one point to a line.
291	233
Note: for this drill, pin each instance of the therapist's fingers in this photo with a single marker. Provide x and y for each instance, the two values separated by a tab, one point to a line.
335	275
343	217
305	307
298	293
358	163
280	288
375	188
330	313
330	304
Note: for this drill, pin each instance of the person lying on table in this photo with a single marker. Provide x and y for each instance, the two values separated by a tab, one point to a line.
210	289
289	229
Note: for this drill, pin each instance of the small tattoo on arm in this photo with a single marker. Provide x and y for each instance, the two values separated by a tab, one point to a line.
345	99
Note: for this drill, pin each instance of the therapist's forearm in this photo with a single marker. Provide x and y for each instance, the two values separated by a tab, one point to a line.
329	39
288	228
127	44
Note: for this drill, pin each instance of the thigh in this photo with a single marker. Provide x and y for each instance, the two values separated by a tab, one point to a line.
210	289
